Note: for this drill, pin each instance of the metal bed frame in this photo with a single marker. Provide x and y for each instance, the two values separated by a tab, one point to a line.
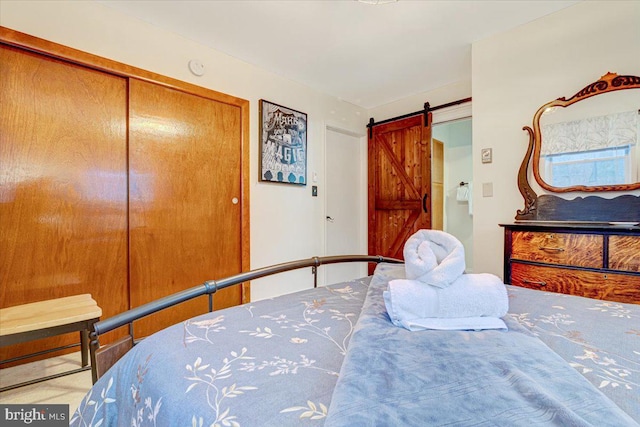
210	287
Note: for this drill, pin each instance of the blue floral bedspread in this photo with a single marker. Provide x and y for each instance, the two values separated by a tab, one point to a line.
268	363
600	339
276	362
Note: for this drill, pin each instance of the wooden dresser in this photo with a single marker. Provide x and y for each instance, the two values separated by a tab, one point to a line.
593	260
568	243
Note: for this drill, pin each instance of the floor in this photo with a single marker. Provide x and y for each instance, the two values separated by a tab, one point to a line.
69	389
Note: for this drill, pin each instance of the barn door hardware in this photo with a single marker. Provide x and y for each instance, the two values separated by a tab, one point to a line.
426	110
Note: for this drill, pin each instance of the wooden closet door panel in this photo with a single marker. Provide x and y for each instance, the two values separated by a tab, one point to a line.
63	185
184	159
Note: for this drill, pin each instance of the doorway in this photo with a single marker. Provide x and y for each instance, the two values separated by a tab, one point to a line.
456	138
345	202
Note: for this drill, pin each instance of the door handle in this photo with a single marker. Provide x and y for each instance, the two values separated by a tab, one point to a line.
329	219
424	203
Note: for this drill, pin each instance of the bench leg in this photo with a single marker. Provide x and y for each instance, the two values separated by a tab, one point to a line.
93	347
84	347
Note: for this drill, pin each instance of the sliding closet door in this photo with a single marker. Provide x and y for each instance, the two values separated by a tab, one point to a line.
63	185
185	198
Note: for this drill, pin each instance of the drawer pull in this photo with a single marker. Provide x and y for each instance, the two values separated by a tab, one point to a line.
533	282
546	248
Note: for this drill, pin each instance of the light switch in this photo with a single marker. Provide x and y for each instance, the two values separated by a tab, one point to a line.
314	191
487	189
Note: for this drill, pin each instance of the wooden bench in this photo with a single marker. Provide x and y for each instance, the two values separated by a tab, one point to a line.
49	318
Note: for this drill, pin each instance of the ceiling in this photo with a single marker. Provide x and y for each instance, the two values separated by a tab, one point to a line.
365	54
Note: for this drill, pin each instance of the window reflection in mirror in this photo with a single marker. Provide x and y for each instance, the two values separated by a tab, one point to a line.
609	166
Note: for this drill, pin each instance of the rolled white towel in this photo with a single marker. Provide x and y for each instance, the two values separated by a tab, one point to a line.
466	304
421	249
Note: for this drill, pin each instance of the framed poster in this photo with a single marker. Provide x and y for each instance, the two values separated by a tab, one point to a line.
283	144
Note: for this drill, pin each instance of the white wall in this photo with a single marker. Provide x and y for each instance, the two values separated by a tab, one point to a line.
440	96
516	72
286	222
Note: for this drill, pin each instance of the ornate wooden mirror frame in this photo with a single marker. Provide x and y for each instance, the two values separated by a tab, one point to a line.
552	208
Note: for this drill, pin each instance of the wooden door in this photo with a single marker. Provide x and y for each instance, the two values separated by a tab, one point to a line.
63	186
185	157
399	183
437	184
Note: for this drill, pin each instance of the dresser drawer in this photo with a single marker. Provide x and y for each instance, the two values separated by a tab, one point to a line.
608	286
624	253
581	250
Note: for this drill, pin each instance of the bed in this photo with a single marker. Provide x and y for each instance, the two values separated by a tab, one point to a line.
330	356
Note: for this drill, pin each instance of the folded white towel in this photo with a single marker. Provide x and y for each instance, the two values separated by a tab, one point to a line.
456	324
421	249
412	304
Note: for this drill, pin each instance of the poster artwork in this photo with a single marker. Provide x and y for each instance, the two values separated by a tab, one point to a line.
283	150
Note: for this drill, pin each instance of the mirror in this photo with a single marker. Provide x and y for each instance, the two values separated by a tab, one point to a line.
589	142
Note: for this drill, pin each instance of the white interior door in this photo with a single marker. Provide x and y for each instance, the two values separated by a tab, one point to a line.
345	203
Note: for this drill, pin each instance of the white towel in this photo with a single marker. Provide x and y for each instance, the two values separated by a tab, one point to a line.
434	257
473	301
470	185
462	194
455	324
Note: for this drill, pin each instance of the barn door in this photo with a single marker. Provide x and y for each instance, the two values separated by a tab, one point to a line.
399	183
